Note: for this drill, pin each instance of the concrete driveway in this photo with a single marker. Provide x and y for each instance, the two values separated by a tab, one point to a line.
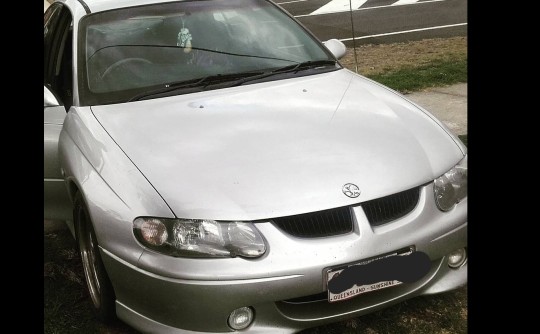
448	104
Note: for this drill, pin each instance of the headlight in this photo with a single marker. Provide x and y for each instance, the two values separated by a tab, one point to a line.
199	238
451	187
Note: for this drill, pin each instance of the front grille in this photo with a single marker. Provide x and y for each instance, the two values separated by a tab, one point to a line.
339	221
317	224
385	209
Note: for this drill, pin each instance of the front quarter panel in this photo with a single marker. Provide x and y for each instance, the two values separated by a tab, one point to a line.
114	190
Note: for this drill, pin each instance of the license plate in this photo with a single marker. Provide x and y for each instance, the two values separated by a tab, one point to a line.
404	266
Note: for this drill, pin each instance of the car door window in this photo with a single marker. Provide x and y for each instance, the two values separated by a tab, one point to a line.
58	73
51	19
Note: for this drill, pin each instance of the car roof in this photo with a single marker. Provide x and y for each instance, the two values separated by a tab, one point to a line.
102	5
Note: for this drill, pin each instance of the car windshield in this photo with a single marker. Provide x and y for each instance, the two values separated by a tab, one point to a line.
174	48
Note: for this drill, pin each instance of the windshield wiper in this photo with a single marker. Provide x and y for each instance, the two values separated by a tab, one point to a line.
193	83
288	69
307	65
238	78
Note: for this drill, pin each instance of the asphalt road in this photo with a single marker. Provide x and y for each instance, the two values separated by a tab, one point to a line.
380	21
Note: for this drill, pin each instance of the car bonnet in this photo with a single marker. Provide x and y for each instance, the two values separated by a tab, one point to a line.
280	148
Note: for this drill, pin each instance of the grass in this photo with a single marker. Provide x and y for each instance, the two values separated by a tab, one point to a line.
412	78
412	66
402	66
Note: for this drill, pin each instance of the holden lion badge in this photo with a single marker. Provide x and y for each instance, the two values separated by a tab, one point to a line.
351	190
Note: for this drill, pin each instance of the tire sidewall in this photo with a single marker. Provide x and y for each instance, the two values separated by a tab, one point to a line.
106	311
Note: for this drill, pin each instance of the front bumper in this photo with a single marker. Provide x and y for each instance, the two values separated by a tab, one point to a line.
205	306
171	295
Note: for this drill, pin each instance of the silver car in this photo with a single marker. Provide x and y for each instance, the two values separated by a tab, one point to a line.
221	171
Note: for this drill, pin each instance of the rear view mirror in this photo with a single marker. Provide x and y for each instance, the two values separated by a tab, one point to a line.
337	47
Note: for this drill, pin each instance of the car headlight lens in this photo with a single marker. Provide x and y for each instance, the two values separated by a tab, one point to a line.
153	232
199	237
451	187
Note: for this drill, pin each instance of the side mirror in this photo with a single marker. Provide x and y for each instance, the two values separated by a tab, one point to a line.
49	99
337	47
54	110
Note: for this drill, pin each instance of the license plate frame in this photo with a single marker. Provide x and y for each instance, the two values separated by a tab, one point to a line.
355	290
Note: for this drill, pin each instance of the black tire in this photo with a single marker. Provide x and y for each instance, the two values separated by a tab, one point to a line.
98	283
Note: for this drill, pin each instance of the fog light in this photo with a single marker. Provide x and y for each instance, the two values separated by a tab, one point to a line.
241	318
457	258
